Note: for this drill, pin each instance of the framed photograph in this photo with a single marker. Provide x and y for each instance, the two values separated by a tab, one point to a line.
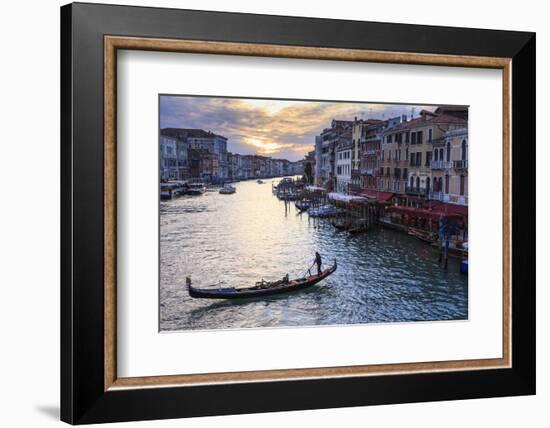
266	213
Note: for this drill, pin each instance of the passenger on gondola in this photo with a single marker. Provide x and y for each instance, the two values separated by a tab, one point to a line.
319	262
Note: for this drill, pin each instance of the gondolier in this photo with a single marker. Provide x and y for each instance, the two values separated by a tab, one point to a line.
318	262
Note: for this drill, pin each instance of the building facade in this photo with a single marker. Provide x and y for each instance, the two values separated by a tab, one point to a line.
370	155
344	165
394	151
449	172
168	158
325	151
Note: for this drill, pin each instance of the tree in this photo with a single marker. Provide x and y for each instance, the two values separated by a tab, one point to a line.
308	172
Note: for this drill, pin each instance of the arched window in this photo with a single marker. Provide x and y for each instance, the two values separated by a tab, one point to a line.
428	185
463	150
412	182
441	154
448	152
447	184
417	183
436	155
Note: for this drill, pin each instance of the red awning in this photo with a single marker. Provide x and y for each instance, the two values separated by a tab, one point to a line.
379	196
459	210
427	212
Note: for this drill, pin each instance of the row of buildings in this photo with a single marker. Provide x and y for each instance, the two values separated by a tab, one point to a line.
416	159
198	154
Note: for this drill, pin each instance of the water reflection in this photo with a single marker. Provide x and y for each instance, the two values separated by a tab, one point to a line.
235	240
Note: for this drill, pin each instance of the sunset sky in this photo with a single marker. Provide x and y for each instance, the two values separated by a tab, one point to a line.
277	128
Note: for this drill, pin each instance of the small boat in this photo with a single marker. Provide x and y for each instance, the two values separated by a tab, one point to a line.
196	189
227	190
423	235
303	205
357	230
341	225
464	266
171	189
323	211
262	288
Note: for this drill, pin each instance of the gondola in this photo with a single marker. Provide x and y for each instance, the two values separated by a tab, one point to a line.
260	289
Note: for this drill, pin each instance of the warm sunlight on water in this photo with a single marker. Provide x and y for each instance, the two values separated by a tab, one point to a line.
235	240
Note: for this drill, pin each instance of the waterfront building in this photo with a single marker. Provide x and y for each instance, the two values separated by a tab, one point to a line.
394	152
325	153
203	164
344	156
408	155
203	140
426	135
358	135
449	167
371	138
168	158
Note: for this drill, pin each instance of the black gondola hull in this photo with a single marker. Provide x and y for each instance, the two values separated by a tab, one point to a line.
243	293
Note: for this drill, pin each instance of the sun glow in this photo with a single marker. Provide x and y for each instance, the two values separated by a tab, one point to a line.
271	107
264	147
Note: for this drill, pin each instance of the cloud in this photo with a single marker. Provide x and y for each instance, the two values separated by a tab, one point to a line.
279	128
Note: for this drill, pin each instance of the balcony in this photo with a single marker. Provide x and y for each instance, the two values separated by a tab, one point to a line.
439	164
439	140
439	196
415	191
367	171
460	164
369	152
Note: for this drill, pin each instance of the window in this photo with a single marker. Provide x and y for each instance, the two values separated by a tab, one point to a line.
462	182
417	183
418	158
412	182
436	153
407	137
413	157
399	155
419	138
463	151
405	171
407	153
413	138
382	151
389	155
448	152
447	184
389	138
428	158
430	134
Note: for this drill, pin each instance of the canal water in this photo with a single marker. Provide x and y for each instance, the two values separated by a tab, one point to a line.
235	240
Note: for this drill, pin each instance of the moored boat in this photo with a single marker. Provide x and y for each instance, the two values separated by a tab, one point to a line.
196	189
303	205
227	189
261	288
423	235
323	211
